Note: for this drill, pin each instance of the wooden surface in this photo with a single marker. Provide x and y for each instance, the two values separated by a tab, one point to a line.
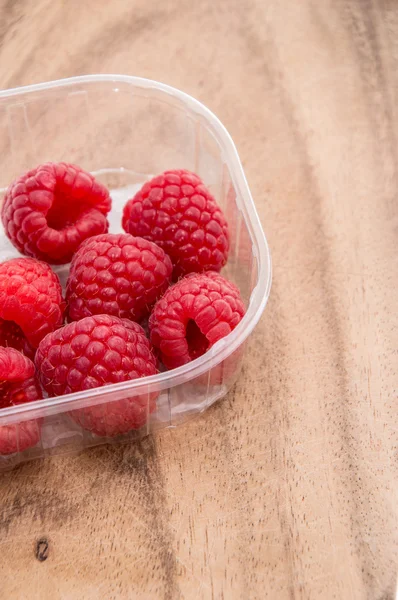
288	487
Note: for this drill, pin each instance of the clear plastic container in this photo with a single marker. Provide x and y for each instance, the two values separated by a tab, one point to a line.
125	130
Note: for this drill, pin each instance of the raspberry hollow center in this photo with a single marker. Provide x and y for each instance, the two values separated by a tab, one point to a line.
11	335
198	343
64	211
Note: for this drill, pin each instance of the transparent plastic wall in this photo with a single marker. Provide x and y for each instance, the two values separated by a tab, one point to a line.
125	130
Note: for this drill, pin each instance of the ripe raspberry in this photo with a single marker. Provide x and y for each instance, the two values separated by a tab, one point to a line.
14	366
193	315
176	211
94	352
116	274
50	210
17	385
31	303
11	335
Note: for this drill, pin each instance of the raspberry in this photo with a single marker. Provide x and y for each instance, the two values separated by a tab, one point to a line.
17	385
193	315
50	210
176	211
12	335
94	352
31	303
117	274
14	366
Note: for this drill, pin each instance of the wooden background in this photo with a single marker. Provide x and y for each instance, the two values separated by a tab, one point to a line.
288	488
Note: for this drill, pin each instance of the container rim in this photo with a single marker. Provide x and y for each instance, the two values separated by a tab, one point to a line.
260	294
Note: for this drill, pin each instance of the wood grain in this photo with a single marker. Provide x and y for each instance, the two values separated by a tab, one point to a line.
288	488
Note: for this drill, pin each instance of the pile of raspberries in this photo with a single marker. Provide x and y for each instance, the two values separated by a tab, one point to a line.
161	277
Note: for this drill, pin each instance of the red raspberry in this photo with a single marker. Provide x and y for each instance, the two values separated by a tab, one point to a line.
14	366
50	210
31	303
17	385
176	211
193	315
117	274
11	335
93	352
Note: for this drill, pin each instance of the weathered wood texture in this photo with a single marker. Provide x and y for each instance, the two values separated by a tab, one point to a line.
288	487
